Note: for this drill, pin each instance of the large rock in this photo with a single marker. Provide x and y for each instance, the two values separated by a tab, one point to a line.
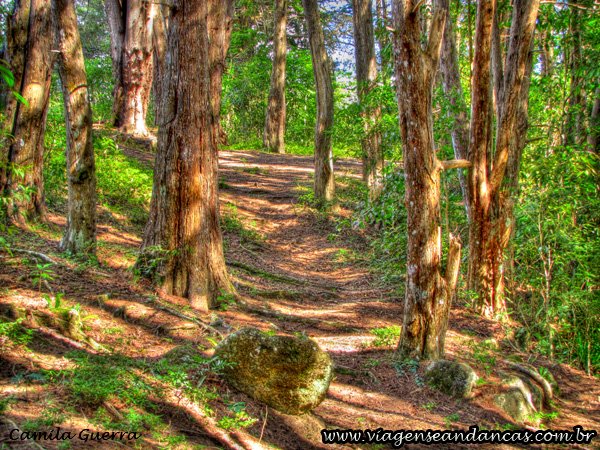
287	373
451	377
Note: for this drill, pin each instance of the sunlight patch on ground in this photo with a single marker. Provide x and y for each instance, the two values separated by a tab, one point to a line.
344	344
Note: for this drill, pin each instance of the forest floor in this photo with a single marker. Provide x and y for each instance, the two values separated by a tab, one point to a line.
297	270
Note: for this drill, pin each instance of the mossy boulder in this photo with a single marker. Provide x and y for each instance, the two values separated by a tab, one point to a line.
451	377
290	374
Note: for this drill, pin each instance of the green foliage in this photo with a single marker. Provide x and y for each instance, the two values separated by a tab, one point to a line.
15	332
483	352
100	86
429	406
5	403
238	417
98	377
41	273
388	214
231	222
386	336
225	300
450	419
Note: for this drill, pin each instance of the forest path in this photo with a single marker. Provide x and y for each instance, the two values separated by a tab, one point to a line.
333	289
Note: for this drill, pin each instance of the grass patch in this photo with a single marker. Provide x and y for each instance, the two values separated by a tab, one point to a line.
13	332
231	222
386	336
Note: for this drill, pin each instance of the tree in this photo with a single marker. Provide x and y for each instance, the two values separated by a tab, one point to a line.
130	24
493	175
366	81
324	180
220	23
428	292
274	134
159	49
80	234
30	59
182	247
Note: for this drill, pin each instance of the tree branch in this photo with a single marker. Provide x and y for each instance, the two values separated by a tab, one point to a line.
436	35
455	164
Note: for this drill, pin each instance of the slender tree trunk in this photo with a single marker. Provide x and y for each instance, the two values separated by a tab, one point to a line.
490	175
274	134
23	178
383	40
458	112
17	29
130	25
574	133
428	292
117	25
182	248
80	234
159	50
220	22
324	179
366	81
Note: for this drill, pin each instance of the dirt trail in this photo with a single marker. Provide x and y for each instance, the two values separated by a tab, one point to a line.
295	271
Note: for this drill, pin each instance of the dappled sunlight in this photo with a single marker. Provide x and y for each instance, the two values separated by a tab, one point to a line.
344	344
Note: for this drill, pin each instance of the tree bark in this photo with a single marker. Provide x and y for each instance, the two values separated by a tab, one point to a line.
182	248
366	81
324	179
492	178
80	234
428	292
159	50
30	41
130	25
274	134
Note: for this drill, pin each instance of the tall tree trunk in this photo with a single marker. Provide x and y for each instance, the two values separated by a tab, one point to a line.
23	177
17	29
366	81
130	24
324	179
220	23
80	234
117	25
274	134
159	50
182	248
490	180
574	133
458	112
428	292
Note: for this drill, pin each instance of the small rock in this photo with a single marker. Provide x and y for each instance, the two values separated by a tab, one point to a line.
451	377
514	403
290	374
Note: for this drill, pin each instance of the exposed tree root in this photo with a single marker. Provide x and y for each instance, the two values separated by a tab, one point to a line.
531	373
194	320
